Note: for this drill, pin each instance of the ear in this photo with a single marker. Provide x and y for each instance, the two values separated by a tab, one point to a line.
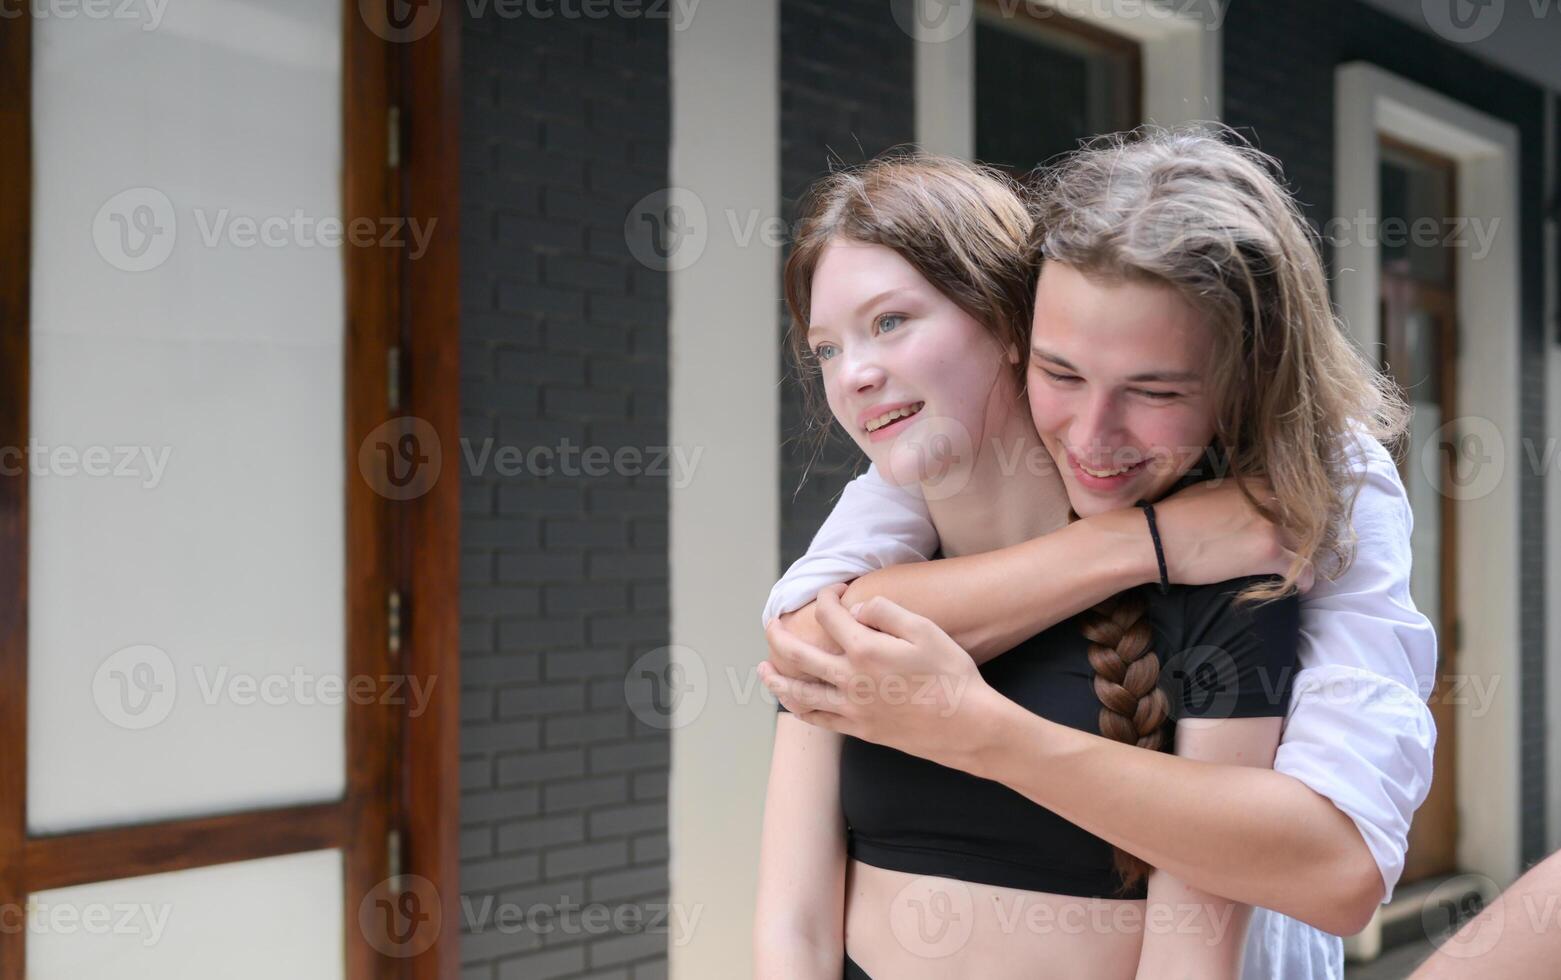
1013	354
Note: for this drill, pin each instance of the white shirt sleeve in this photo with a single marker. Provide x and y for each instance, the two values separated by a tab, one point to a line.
875	524
1359	731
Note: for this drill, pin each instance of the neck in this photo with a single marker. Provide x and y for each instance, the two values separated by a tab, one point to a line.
1011	492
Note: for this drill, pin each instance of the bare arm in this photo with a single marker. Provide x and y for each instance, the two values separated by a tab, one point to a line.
1190	931
992	601
799	922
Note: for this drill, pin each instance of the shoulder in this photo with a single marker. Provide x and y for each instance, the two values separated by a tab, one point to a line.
872	480
1379	504
1203	613
1223	657
1380	629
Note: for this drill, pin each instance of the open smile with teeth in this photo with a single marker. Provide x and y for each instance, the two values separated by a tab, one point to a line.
873	425
1105	474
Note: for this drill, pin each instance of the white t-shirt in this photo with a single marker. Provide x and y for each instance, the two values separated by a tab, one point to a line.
1358	729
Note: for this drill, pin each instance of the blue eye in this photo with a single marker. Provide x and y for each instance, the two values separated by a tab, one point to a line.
824	351
887	318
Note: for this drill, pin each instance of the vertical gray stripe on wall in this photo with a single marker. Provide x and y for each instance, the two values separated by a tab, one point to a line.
564	126
1535	401
1552	474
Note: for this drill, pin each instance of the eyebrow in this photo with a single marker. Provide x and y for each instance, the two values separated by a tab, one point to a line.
866	304
1162	377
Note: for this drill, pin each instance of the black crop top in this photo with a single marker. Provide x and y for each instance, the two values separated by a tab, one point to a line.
904	813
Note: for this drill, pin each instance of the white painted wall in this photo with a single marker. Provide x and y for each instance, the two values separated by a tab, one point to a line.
724	525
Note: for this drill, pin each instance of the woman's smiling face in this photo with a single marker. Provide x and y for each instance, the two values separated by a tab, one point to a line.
1118	386
908	373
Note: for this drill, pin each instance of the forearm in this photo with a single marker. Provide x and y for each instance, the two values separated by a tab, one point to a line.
780	954
1251	835
992	601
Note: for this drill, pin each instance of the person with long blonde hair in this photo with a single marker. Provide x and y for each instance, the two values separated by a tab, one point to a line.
1180	323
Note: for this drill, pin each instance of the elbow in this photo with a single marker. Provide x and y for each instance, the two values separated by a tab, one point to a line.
788	953
1351	898
1365	901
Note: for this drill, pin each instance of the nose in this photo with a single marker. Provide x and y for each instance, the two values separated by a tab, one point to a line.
1097	424
861	371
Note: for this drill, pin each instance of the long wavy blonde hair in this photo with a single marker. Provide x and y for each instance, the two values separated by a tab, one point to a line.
1205	212
1201	210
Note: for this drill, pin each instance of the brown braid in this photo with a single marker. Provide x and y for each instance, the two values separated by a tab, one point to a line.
1127	674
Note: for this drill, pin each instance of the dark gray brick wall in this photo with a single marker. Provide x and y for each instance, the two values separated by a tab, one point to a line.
1279	64
847	82
1014	128
564	578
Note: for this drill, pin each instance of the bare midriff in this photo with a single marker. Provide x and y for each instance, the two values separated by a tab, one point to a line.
921	927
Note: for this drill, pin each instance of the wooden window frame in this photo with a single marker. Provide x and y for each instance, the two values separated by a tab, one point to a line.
402	772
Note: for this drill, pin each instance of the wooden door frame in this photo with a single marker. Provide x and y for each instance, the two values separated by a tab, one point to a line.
1440	300
1441	303
420	560
430	785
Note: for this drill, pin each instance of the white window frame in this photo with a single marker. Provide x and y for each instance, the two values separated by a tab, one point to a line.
1181	64
1371	103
